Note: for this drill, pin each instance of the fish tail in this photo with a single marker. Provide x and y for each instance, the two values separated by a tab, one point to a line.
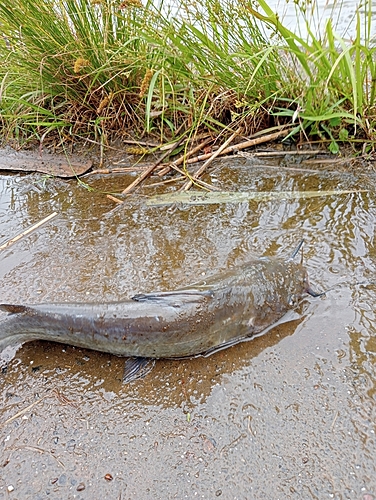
13	308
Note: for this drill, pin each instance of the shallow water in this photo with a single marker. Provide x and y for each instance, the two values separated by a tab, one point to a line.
287	415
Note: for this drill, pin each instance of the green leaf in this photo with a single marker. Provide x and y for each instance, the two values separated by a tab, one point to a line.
334	148
216	197
334	122
343	134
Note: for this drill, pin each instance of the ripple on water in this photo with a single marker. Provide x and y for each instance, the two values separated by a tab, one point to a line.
290	414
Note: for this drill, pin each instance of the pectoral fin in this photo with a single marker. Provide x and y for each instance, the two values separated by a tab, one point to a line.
136	368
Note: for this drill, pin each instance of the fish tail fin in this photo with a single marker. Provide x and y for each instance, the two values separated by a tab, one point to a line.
13	308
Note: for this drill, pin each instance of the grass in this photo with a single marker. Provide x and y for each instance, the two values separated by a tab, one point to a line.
104	68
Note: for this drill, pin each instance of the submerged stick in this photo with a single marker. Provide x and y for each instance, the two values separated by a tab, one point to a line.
112	198
27	231
21	412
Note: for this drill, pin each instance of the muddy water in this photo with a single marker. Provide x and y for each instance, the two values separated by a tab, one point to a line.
289	415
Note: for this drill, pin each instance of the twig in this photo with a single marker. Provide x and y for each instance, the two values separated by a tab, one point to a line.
199	181
115	170
63	399
149	170
250	430
21	412
219	151
330	161
39	450
116	200
101	150
334	421
243	145
24	233
167	181
313	152
207	186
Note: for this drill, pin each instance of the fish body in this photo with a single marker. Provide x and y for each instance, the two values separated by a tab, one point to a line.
222	309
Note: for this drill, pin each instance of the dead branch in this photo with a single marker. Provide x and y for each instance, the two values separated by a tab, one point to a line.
149	170
214	155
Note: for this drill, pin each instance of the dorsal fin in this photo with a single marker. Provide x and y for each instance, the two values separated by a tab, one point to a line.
173	298
13	308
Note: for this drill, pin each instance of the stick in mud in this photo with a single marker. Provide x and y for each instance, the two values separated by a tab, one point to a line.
184	157
200	171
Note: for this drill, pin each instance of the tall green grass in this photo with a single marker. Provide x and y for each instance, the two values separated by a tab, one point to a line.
336	77
102	68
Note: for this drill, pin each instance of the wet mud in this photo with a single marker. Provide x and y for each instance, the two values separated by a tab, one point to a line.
290	414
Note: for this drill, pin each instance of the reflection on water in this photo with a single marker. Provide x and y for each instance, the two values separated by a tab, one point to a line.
318	12
261	419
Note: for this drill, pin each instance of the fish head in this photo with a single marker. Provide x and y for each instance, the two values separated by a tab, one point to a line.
277	287
297	285
300	285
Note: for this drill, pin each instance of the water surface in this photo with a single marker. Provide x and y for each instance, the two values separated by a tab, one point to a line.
288	415
342	13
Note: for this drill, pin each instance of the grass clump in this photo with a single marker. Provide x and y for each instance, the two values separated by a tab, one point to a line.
101	68
336	77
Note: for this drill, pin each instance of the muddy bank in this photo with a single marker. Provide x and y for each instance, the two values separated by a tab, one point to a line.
288	415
